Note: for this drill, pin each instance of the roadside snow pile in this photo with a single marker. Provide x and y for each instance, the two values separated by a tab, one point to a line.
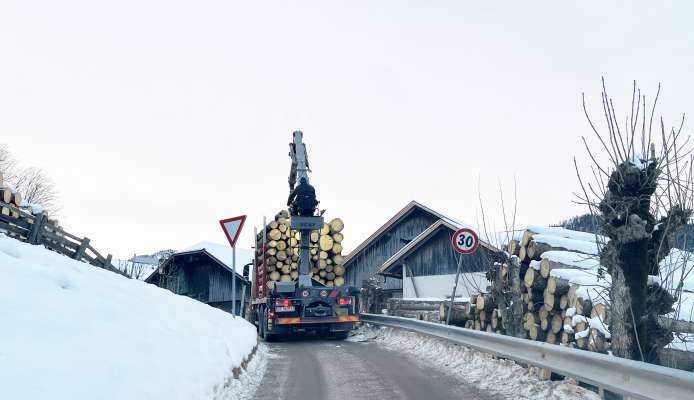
502	378
73	331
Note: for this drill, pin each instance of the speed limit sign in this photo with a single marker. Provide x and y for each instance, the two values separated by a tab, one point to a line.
465	241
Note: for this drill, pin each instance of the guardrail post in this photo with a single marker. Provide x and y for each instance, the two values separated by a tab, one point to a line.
80	251
107	263
36	228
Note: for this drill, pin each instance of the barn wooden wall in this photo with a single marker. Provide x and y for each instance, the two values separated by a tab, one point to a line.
436	257
200	277
365	264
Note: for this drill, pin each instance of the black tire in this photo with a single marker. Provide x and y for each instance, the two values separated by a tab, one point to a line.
261	324
341	335
268	337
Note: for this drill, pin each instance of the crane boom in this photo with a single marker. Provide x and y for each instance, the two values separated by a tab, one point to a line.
299	168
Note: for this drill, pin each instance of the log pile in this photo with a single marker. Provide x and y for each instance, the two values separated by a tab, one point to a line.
9	199
561	303
485	314
282	252
430	309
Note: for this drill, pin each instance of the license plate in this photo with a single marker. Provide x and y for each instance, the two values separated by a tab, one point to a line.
284	309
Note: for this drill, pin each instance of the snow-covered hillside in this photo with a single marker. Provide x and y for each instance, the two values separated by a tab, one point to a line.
73	331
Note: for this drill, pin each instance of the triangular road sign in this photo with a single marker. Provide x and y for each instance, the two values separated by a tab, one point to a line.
232	228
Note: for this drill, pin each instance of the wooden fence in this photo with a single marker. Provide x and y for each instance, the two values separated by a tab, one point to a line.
38	230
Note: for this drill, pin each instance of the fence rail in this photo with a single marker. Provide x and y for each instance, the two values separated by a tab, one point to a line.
627	377
38	230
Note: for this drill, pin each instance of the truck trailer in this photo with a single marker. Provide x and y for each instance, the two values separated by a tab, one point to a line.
304	304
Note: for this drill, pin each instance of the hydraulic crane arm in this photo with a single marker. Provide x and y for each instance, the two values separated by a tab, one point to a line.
297	152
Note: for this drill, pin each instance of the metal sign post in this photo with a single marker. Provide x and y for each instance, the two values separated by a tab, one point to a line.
232	229
464	241
233	282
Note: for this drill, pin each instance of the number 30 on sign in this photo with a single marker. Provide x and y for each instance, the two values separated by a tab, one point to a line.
465	241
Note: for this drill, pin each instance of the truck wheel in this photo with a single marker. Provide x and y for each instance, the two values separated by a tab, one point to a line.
261	325
268	337
342	335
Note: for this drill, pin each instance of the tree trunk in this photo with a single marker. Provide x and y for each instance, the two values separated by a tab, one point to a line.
513	317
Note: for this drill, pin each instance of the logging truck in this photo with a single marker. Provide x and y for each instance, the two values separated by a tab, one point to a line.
298	272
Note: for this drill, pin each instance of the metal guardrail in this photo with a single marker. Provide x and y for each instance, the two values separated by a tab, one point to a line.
631	378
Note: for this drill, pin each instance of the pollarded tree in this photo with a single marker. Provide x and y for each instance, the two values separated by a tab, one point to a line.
641	197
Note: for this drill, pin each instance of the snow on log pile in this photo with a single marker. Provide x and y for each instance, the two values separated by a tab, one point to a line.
282	254
71	331
562	291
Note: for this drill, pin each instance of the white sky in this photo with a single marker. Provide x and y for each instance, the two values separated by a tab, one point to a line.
158	118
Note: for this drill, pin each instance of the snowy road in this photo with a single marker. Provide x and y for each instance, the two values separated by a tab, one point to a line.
314	369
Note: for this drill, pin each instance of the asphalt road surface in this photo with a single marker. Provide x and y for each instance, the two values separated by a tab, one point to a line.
310	369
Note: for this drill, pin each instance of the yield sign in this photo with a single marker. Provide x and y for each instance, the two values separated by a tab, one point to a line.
232	228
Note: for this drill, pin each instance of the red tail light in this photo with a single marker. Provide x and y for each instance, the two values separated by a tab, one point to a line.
283	303
344	301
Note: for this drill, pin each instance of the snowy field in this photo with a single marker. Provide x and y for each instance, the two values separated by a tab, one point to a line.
73	331
503	378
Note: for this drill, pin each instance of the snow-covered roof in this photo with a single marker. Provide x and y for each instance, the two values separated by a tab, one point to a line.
396	218
223	254
145	259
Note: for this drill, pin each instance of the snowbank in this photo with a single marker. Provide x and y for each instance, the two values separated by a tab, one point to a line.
504	379
73	331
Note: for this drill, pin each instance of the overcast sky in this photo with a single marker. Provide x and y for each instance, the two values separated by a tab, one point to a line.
156	119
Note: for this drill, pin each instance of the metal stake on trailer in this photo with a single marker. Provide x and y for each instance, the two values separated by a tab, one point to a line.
264	257
254	290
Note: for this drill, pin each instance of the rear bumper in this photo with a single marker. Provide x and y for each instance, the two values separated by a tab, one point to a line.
309	321
290	325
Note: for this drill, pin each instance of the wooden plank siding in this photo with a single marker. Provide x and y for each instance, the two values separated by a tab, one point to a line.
437	257
201	277
366	263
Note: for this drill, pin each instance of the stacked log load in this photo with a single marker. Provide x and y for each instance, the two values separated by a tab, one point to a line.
10	197
563	292
282	252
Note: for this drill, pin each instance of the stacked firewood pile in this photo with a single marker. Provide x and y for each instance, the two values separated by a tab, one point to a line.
562	296
430	309
282	252
9	197
484	314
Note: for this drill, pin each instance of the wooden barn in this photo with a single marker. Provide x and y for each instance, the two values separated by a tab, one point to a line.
417	240
204	272
427	265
